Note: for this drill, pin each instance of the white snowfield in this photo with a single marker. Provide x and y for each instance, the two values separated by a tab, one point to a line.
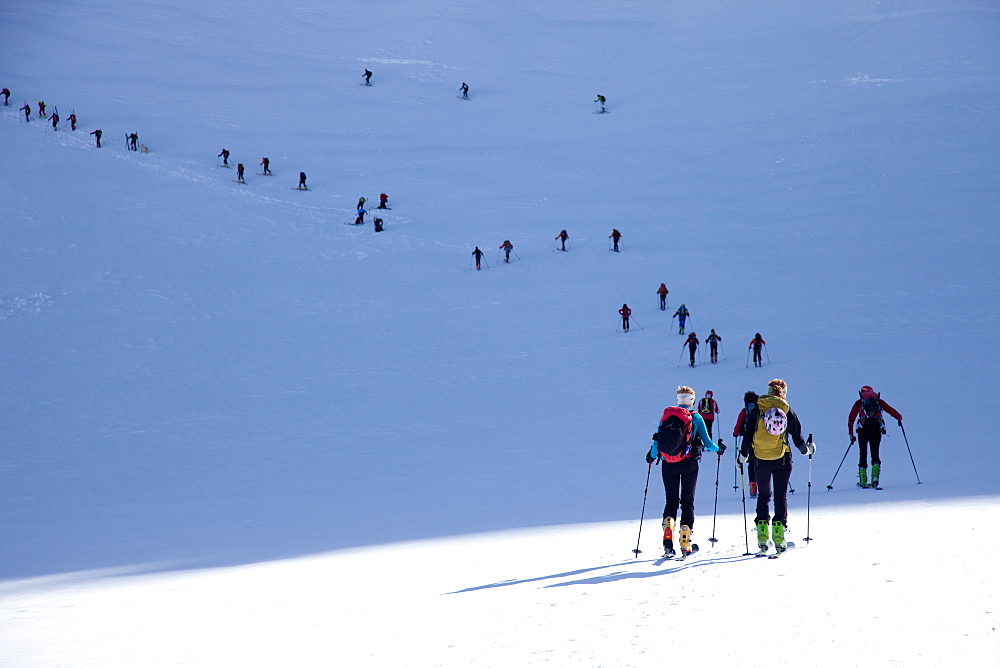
239	430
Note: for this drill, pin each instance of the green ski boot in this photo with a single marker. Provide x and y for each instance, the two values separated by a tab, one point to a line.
863	478
876	469
778	535
762	531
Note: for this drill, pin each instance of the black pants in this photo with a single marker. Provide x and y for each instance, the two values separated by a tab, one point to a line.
663	302
757	361
625	323
679	482
772	478
692	350
713	348
708	425
869	436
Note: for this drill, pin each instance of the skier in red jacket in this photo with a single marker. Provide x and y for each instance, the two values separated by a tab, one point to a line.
757	342
625	312
867	410
708	409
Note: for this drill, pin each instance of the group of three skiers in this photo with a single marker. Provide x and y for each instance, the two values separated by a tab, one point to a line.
765	429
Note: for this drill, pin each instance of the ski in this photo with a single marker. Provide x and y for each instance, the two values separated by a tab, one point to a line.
242	183
462	98
306	189
684	555
262	174
366	84
788	546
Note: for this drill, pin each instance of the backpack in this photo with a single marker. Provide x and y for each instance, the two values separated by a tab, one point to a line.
871	409
673	437
770	436
705	406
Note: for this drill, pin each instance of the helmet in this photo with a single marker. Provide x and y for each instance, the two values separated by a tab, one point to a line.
866	388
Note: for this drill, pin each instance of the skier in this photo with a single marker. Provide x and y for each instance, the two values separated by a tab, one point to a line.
478	254
663	292
368	77
6	96
692	343
713	346
507	247
361	203
378	224
682	315
771	423
708	409
267	165
239	173
360	220
677	442
740	430
225	157
55	120
757	342
870	427
615	237
27	112
41	108
562	236
133	140
625	312
302	181
601	100
383	200
465	90
97	135
72	121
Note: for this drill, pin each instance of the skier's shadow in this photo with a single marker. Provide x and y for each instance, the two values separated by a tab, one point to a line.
611	577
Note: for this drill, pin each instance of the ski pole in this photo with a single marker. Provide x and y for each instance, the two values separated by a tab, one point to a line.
748	359
830	486
715	510
723	348
681	356
515	254
633	320
735	472
743	486
767	353
809	493
642	515
905	440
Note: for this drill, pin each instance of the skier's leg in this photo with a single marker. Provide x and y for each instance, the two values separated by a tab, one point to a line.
689	482
671	488
781	476
764	469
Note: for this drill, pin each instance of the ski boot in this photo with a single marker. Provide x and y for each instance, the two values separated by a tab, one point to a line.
762	531
863	478
687	549
753	490
668	537
876	469
778	536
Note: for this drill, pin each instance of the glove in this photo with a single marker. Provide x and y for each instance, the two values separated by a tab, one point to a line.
853	439
900	423
649	457
741	459
808	449
722	447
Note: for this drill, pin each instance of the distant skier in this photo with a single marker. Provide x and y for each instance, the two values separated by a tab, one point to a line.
757	343
692	343
615	237
361	203
600	101
27	112
772	422
682	315
368	77
55	120
663	292
239	173
740	430
625	312
72	121
360	220
677	443
378	224
225	157
266	164
302	181
713	345
562	236
6	96
41	109
507	247
383	201
465	90
97	135
708	409
478	255
870	427
133	142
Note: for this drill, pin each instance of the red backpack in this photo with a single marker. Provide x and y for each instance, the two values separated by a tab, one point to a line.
674	435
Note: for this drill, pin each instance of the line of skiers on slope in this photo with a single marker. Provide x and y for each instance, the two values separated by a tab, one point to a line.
562	237
765	429
367	76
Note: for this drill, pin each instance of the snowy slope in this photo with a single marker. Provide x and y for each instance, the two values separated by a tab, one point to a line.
213	390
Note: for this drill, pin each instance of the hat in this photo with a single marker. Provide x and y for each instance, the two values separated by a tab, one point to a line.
750	397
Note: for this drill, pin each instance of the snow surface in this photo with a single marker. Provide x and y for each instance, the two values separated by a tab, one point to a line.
239	431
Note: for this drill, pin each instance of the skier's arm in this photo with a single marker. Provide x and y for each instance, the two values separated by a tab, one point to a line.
850	418
738	429
702	432
795	431
747	447
890	410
